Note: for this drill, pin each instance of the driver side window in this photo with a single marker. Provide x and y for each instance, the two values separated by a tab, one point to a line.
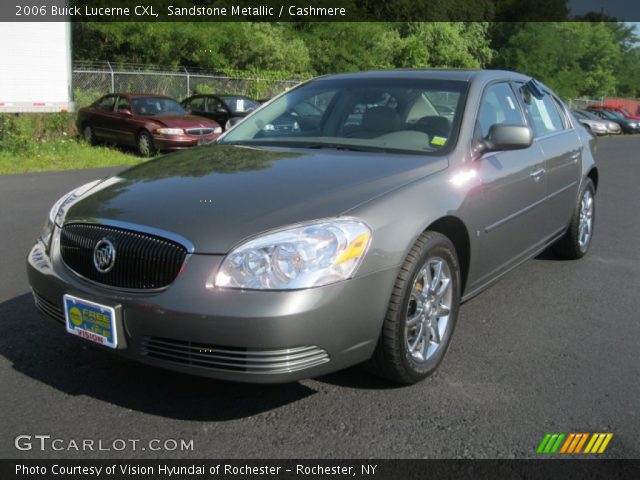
499	106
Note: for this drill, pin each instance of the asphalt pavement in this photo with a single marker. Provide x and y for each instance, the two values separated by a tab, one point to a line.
553	347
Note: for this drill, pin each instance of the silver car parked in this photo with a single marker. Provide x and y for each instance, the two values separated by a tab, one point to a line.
596	125
280	254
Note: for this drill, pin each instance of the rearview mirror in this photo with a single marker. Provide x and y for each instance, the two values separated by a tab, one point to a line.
125	111
507	137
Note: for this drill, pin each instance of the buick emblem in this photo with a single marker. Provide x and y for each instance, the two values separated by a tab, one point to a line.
104	256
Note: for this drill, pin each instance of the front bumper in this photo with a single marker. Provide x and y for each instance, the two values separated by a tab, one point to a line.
249	336
166	143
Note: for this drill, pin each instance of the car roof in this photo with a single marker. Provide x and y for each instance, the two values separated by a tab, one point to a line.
436	74
143	95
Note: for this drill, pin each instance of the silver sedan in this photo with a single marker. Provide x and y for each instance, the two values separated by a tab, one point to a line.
280	254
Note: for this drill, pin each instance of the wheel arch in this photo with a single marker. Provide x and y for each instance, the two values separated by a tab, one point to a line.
455	230
594	176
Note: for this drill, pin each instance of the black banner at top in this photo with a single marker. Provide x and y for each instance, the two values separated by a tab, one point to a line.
317	10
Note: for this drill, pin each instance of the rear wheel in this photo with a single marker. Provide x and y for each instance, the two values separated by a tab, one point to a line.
576	241
88	134
146	147
422	312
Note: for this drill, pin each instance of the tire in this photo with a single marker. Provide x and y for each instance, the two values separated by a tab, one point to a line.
577	239
88	134
394	357
146	147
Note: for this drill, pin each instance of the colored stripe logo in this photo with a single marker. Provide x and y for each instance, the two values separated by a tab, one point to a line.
574	443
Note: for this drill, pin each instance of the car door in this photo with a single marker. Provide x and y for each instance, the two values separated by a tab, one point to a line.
101	117
562	149
512	218
124	125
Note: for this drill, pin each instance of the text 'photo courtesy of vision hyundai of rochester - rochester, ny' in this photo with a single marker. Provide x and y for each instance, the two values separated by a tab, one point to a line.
301	244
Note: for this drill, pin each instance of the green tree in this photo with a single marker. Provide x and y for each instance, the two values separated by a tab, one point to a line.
573	58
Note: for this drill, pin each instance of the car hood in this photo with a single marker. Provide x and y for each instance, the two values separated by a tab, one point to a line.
217	196
182	121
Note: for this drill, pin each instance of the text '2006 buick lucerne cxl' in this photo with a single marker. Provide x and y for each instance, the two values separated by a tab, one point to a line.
352	237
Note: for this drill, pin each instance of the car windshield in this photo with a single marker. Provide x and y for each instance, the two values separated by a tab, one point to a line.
614	115
365	114
237	104
586	114
157	106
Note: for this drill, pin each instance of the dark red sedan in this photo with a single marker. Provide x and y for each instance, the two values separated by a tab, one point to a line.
150	123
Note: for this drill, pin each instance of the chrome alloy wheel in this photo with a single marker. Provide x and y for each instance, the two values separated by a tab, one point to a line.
585	225
428	311
144	145
87	133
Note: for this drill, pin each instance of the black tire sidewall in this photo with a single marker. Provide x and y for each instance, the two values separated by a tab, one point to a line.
575	224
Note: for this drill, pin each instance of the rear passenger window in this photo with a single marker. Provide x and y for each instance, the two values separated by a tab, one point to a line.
499	106
544	116
107	103
197	104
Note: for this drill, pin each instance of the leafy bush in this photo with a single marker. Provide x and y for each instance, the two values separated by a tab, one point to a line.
25	133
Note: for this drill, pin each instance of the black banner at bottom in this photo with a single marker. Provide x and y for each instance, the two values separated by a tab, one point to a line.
303	469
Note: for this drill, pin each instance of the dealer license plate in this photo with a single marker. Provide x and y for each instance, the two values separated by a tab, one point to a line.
90	320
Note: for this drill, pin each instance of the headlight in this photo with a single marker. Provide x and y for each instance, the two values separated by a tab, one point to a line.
304	256
170	131
217	130
633	124
59	210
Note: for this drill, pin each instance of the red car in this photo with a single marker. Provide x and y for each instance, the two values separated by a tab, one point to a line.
151	123
622	111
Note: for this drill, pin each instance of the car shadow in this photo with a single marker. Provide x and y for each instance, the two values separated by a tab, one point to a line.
359	378
40	349
549	255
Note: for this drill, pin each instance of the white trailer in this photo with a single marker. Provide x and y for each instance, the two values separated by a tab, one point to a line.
35	67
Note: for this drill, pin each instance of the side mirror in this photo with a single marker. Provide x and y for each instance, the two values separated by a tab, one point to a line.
126	112
507	137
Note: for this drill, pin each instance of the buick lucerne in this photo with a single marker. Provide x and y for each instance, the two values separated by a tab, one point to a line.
278	254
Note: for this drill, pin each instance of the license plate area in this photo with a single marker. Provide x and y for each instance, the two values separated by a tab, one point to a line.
92	321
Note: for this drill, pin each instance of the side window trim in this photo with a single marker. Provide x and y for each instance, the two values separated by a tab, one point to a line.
109	97
562	111
523	114
536	136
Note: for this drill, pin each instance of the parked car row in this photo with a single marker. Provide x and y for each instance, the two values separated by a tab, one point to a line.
606	120
597	125
152	123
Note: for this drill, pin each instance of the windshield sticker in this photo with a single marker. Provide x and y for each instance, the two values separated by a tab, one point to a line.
240	105
438	141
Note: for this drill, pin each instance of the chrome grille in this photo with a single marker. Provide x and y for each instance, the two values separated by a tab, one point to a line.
142	261
234	359
48	308
199	131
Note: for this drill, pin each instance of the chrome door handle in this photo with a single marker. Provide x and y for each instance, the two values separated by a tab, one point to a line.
536	174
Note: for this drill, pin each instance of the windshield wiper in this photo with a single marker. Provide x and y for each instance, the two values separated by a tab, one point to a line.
341	146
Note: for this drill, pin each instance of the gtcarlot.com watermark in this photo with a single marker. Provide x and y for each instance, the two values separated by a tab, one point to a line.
48	443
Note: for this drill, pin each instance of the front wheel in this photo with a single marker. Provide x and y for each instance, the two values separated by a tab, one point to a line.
422	312
146	147
576	241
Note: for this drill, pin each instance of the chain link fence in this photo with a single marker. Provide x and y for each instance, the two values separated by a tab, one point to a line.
91	80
